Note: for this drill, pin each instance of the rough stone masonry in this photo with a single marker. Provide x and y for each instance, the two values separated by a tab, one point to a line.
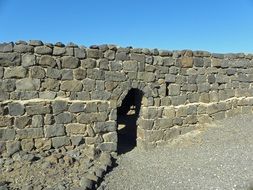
56	95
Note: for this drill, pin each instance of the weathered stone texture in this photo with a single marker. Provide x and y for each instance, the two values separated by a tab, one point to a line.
77	140
27	144
51	84
95	74
54	130
71	85
28	84
64	117
54	73
111	137
43	143
130	65
15	72
43	50
22	122
110	54
115	76
6	47
38	109
5	121
22	48
77	107
47	95
93	53
108	126
80	74
30	133
164	123
58	142
1	72
75	128
87	118
35	43
67	74
70	62
174	89
56	95
7	134
12	147
9	59
88	63
108	146
47	61
80	53
59	106
37	72
59	50
7	85
187	62
37	121
16	109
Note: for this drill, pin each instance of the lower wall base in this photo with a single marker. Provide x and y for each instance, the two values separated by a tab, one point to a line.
39	125
45	125
171	121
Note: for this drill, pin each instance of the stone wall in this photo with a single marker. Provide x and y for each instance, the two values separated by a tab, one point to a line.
55	95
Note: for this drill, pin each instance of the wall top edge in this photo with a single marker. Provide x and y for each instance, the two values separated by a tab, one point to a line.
130	49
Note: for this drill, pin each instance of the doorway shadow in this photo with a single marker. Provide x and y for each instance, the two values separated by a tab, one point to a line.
127	115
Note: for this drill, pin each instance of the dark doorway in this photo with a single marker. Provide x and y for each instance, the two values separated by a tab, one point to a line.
127	115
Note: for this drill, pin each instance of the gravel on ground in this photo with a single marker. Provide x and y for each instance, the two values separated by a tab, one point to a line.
218	156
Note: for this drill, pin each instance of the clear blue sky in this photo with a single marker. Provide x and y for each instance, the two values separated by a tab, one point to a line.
212	25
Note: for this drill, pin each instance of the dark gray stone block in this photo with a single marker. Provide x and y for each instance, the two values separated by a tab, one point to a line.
16	109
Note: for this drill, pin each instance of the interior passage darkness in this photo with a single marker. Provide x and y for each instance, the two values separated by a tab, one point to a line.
127	115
